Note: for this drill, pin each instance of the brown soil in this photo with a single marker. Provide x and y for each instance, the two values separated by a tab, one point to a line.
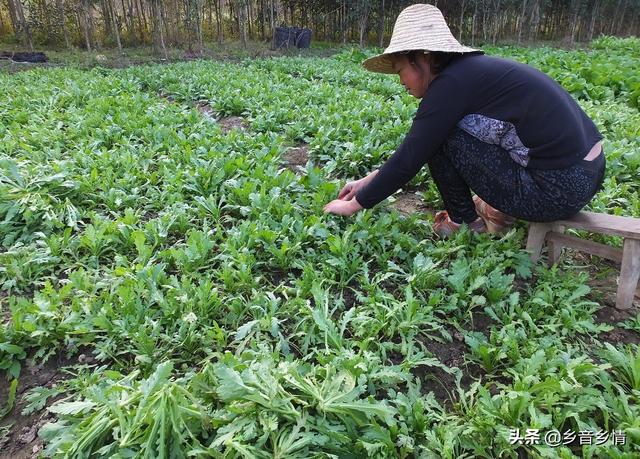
349	296
150	215
166	96
440	382
603	277
22	441
603	280
408	202
5	314
607	287
276	276
226	123
232	122
620	335
206	110
612	316
480	322
453	355
297	157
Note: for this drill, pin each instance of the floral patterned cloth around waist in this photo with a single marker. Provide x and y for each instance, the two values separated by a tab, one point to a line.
496	132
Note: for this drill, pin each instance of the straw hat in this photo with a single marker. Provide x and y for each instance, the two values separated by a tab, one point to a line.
418	27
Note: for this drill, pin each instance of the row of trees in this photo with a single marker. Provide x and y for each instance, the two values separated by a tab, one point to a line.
189	23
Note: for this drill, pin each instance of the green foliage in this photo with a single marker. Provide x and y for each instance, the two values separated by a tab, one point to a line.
228	316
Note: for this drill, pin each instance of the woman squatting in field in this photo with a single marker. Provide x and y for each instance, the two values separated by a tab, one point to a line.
500	128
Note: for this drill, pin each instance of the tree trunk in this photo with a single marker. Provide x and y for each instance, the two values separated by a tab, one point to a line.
188	20
535	20
141	26
575	10
248	17
496	23
304	14
158	33
90	26
82	18
242	22
621	18
200	25
172	21
164	28
114	20
344	21
474	22
262	28
24	25
613	18
273	24
632	24
127	16
364	18
522	21
325	26
462	8
484	24
45	16
381	25
145	18
15	24
63	23
106	18
592	23
219	21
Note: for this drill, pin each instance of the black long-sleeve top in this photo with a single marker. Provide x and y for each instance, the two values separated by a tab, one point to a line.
554	130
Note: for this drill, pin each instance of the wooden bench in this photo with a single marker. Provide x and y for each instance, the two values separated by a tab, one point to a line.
613	225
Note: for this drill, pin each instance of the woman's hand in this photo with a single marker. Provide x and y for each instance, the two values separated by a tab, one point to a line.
351	188
346	204
342	207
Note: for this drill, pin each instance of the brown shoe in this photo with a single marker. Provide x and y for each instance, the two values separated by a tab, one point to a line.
443	226
495	221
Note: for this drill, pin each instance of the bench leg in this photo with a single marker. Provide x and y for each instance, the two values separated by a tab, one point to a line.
554	248
629	273
535	239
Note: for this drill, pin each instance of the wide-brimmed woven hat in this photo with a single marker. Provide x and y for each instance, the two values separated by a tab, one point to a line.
418	27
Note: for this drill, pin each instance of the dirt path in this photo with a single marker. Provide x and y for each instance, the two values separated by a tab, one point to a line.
22	440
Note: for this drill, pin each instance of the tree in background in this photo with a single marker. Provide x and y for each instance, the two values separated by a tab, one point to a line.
19	23
185	23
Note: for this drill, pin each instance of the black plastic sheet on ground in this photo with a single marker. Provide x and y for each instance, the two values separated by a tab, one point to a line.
292	36
34	57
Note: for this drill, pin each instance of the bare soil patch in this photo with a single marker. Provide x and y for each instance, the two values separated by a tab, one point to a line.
439	381
603	280
166	96
409	202
226	123
276	276
232	122
620	336
607	286
22	441
5	314
481	322
206	110
611	316
603	277
297	156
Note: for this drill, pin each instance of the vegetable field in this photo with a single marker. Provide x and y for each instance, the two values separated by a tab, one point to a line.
169	285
